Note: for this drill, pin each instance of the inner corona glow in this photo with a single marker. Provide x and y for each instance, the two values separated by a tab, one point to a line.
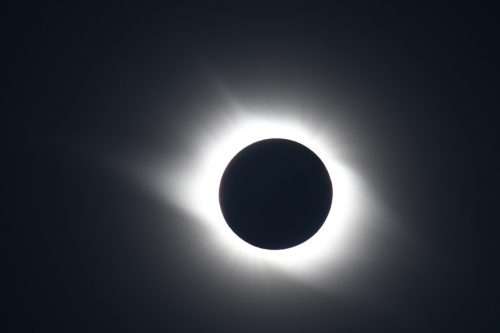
194	186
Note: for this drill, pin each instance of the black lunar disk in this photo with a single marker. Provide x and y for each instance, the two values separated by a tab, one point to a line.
275	194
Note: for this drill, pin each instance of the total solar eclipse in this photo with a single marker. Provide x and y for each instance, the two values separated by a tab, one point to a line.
275	194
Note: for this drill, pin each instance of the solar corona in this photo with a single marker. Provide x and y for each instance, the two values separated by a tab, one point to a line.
204	185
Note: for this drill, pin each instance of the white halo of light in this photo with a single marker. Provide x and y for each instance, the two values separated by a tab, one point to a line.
193	185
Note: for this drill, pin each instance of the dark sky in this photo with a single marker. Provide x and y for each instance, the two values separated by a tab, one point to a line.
91	249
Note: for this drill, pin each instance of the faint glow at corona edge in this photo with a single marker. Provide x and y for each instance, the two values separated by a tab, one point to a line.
193	184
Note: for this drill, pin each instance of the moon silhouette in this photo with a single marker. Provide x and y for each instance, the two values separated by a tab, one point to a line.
275	194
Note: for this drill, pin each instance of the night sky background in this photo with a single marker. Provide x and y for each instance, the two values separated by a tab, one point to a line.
87	86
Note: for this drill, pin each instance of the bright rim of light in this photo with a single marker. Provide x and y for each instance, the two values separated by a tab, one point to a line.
193	184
